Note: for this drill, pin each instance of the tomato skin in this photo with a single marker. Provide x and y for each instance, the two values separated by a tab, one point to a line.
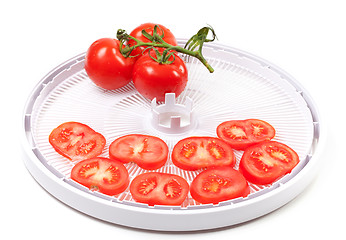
155	188
218	184
148	152
106	66
267	161
194	153
76	141
241	134
102	174
153	79
149	28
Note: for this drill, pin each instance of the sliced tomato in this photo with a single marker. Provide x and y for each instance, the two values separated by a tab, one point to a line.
154	188
199	152
101	174
218	184
148	152
77	141
240	134
267	161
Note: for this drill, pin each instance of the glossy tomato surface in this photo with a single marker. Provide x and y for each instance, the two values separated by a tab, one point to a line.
149	28
106	66
148	152
240	134
155	188
153	79
77	141
101	174
266	162
199	152
218	184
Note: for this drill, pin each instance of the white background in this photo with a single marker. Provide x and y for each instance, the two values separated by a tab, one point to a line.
305	38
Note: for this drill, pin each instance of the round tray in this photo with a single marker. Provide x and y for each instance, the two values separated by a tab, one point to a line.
242	86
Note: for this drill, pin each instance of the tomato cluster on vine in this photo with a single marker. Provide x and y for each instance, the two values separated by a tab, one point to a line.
109	69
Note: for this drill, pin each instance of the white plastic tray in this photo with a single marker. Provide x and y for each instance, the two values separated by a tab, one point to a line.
242	86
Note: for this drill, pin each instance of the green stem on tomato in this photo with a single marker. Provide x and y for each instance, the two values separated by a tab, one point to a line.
157	42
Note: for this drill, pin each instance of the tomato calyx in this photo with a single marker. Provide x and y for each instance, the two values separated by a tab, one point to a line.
193	47
162	58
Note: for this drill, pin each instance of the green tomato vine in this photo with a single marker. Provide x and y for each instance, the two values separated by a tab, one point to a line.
193	46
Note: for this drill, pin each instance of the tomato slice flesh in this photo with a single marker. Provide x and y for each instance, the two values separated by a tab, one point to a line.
77	141
155	188
241	134
199	152
217	184
266	162
102	174
148	152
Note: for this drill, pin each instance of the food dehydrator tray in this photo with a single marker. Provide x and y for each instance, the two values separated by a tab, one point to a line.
242	86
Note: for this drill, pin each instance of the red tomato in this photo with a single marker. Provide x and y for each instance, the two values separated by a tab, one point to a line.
77	141
154	188
240	134
106	66
148	152
102	174
265	162
153	79
199	152
149	28
218	184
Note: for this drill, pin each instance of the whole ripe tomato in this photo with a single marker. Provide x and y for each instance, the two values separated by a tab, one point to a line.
153	79
106	66
149	28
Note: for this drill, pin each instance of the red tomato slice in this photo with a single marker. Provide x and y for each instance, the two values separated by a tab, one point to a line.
77	141
267	161
102	174
240	134
218	184
199	152
148	152
154	188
